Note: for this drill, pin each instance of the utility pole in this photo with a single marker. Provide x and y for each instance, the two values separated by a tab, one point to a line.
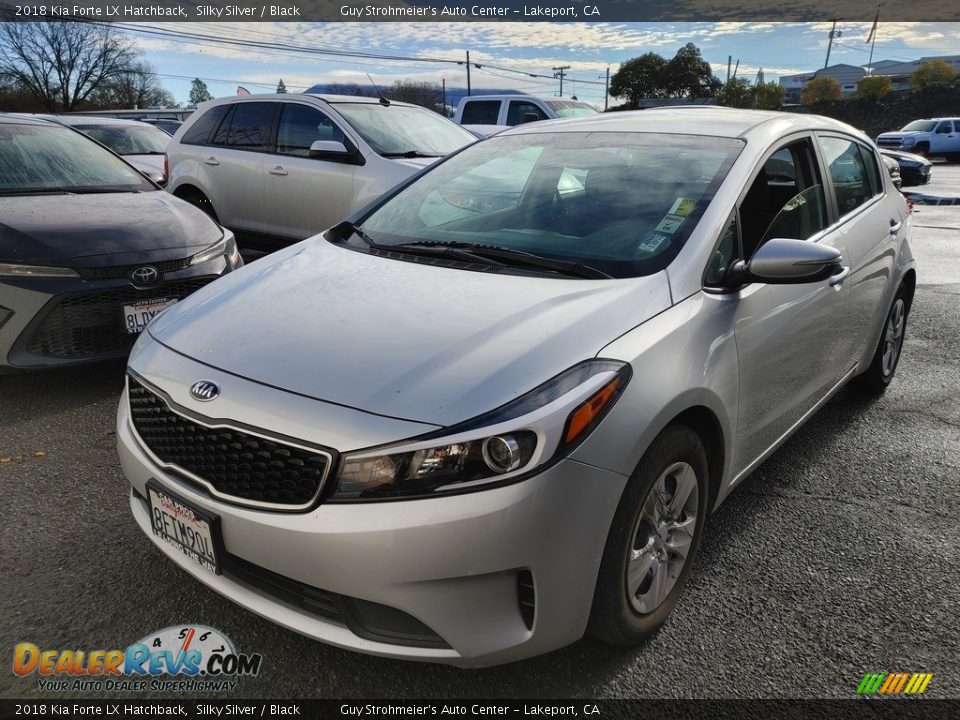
729	62
468	73
444	81
558	72
834	33
606	90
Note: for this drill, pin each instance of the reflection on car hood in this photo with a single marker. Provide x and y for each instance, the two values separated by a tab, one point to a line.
902	134
146	163
101	229
401	339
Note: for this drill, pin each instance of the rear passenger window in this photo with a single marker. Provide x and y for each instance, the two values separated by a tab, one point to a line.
873	173
481	112
848	171
301	126
199	132
249	127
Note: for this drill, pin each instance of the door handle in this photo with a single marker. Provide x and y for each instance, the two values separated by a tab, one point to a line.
840	276
895	226
212	161
278	170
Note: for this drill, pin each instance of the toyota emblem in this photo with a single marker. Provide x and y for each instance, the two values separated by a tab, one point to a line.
146	275
204	391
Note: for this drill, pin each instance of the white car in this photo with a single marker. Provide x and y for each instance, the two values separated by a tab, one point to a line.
276	169
139	144
488	115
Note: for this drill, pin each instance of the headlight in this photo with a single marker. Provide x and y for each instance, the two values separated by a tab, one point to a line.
907	141
10	270
501	446
226	246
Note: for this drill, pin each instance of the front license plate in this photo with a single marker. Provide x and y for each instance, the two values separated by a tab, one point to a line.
137	316
193	532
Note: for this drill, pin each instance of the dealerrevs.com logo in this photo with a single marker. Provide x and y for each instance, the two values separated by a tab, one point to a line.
177	658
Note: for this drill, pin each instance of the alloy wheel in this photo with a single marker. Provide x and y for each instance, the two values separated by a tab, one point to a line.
893	337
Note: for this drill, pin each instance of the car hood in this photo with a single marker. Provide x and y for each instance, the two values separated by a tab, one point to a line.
417	163
150	163
905	157
101	229
401	339
902	134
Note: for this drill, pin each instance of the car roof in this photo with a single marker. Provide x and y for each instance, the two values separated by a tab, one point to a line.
704	120
25	119
78	120
329	99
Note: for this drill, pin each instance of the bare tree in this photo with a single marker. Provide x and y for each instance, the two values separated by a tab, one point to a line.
425	94
137	87
62	63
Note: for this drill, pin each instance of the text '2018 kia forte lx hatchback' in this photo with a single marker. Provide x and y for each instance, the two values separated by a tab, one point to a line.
90	250
493	411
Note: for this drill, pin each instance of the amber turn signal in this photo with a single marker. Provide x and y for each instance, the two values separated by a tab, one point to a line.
585	414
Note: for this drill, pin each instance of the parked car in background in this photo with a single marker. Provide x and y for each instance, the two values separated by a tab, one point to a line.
894	169
913	169
490	114
143	146
168	126
931	137
279	168
90	250
470	435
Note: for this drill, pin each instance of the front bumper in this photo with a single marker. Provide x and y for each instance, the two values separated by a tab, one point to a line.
51	322
915	176
456	564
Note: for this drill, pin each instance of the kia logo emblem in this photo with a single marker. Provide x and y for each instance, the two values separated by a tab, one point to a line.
146	275
204	391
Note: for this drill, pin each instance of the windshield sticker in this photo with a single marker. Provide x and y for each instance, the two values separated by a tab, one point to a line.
652	241
670	224
682	207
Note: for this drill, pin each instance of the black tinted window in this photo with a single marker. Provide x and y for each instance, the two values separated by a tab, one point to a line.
480	112
251	126
199	132
301	126
518	111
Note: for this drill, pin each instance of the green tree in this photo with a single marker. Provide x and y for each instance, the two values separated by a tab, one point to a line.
768	96
281	88
689	75
639	78
62	63
736	93
873	88
821	89
199	92
932	72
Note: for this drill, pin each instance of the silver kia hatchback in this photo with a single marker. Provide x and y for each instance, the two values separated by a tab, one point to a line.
493	411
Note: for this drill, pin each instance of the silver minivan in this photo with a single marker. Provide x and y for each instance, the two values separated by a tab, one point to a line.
276	169
494	410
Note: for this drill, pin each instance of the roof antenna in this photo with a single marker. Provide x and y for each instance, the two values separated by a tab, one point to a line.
383	98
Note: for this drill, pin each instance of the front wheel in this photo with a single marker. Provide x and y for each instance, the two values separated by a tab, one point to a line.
653	539
887	355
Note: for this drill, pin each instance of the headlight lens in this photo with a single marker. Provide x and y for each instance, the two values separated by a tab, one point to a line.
226	246
10	270
908	141
495	448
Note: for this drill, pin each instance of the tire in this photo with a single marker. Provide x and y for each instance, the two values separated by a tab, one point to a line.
874	381
923	150
619	615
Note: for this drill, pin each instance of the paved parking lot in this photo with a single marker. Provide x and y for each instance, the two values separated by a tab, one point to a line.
839	556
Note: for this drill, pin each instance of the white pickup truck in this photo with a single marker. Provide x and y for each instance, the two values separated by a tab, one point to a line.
933	136
489	114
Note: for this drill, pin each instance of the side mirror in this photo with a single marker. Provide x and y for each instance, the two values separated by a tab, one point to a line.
788	262
331	150
529	117
156	176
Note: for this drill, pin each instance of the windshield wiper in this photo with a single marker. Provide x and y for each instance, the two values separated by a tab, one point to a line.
421	249
32	191
409	154
513	257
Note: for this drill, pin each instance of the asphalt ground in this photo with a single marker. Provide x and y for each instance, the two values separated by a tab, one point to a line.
839	556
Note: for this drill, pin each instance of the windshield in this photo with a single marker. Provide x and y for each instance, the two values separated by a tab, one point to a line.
622	203
570	108
398	130
35	158
920	125
128	139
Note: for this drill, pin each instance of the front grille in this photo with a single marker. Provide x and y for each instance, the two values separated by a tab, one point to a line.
90	324
122	271
889	142
234	464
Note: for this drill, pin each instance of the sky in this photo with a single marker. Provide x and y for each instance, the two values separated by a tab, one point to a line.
524	48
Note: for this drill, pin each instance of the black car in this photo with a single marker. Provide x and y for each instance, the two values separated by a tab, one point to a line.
90	250
914	170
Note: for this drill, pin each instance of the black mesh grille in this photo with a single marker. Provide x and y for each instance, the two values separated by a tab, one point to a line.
91	324
235	463
526	597
122	271
313	600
